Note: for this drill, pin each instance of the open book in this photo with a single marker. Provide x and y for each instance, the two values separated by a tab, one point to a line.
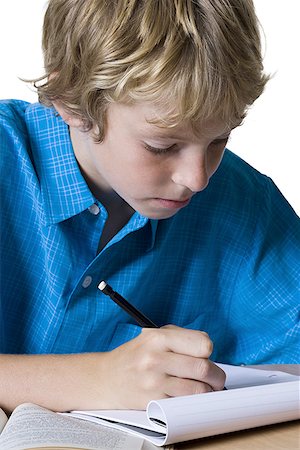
253	398
31	426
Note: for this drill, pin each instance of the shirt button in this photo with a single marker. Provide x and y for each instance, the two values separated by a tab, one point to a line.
87	281
94	209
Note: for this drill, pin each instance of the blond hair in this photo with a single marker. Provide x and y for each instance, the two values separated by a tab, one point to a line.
196	59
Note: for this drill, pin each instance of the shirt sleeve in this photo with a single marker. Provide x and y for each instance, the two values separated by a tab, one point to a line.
264	313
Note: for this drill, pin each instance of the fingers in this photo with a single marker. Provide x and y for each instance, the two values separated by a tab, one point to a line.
195	369
182	359
164	362
175	387
180	340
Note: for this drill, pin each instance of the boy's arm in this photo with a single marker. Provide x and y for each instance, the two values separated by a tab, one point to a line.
267	288
159	363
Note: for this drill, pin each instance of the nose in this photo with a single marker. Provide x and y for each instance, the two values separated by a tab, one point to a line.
191	172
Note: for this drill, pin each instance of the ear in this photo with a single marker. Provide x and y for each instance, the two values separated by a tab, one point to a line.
68	118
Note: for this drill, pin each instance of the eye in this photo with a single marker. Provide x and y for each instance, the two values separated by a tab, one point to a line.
159	151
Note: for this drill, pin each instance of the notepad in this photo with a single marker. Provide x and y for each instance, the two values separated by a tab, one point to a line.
253	398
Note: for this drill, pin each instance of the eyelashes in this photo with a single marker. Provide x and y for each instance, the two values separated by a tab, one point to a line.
174	147
159	151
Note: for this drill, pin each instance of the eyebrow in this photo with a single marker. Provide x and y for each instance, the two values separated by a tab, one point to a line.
164	134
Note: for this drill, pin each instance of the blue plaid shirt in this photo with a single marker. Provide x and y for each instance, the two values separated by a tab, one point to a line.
228	263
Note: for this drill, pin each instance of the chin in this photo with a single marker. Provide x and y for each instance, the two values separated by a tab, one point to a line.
159	215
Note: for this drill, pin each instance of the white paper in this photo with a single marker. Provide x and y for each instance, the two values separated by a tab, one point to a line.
238	376
222	412
271	397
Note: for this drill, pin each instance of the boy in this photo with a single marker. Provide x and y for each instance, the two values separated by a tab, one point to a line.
121	174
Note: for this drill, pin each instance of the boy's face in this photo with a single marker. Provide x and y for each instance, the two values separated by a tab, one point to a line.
155	170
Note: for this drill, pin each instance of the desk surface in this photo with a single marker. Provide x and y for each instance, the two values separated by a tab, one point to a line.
283	436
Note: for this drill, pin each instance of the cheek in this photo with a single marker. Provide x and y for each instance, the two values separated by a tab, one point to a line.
147	167
136	173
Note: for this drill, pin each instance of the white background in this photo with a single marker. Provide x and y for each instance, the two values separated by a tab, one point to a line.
268	140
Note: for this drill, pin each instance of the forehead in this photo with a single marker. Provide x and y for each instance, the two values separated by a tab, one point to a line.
148	120
185	130
210	128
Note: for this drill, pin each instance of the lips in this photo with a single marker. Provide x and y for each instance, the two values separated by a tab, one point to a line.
172	204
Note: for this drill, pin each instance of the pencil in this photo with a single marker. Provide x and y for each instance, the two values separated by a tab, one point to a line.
142	320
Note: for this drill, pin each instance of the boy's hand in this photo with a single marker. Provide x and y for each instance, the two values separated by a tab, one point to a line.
165	362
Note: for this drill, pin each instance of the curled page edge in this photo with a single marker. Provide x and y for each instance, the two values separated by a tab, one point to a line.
187	420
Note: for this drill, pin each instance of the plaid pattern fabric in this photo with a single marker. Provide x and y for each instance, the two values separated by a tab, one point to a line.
228	263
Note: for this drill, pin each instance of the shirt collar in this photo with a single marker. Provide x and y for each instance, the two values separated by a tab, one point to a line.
64	190
136	222
153	224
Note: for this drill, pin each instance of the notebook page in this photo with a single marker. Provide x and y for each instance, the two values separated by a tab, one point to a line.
238	376
214	413
140	426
